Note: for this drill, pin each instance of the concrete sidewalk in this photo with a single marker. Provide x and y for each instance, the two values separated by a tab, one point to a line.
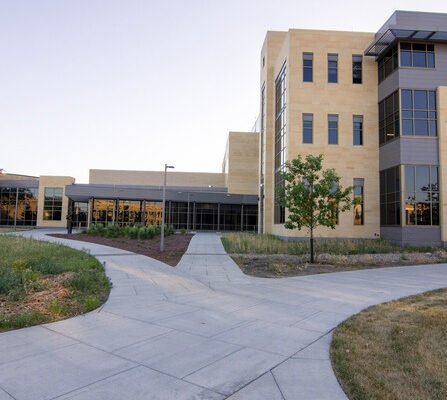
202	330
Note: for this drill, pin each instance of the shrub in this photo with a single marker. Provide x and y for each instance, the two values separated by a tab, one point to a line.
169	230
9	280
113	231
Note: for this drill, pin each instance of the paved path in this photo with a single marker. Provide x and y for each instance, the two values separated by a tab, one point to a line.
200	331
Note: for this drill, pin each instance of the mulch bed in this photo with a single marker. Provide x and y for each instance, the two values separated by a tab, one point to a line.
277	265
174	247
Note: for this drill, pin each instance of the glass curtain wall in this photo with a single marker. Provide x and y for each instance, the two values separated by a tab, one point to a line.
25	214
202	216
280	141
80	214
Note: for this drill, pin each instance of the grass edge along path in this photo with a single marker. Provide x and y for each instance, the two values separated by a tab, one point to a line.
395	350
270	257
43	282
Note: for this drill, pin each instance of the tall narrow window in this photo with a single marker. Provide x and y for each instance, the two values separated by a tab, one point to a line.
332	68
308	122
359	201
421	195
390	197
357	61
280	141
389	126
52	208
388	63
333	129
308	64
357	122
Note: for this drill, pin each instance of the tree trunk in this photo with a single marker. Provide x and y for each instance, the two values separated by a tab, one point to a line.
311	245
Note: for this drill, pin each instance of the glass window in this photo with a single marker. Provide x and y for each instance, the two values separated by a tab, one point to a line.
332	65
389	118
421	195
358	130
419	112
390	197
280	140
388	63
359	201
52	207
357	68
18	206
308	67
418	55
420	100
308	128
333	129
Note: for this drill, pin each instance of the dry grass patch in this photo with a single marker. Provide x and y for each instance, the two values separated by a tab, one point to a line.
248	243
395	351
42	282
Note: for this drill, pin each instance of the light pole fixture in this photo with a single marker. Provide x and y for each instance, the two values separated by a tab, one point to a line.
162	235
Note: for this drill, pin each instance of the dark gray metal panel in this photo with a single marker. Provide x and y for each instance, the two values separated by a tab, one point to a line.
388	86
389	155
414	20
419	151
422	236
391	233
32	184
409	150
414	236
419	21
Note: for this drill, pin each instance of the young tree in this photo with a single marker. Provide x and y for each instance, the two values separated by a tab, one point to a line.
312	196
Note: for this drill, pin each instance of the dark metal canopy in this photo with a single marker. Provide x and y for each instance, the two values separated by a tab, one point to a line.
391	36
84	192
16	183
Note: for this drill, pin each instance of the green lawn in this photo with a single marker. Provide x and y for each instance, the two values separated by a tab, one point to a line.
42	282
395	351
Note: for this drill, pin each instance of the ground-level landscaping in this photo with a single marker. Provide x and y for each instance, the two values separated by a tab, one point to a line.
268	256
42	282
395	351
12	229
175	245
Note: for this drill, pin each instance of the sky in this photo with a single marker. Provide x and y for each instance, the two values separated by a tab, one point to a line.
132	85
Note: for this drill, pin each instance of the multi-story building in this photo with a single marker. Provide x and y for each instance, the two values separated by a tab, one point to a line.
375	106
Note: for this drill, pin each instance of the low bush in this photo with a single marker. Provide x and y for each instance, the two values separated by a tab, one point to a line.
137	231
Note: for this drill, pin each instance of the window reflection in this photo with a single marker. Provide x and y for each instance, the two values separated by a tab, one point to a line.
359	201
421	195
25	214
280	140
390	197
202	216
52	207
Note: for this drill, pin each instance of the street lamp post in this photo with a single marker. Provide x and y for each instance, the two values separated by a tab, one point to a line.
162	236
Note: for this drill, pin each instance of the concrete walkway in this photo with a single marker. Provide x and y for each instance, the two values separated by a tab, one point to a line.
202	330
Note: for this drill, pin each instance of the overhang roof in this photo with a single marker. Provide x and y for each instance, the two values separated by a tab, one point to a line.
84	192
391	36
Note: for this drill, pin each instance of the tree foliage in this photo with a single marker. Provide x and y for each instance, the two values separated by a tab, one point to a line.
312	195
